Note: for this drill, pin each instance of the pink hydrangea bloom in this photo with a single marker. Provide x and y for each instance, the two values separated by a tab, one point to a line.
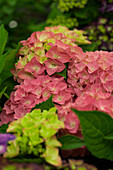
53	45
34	67
88	86
61	97
53	66
60	54
95	99
69	118
72	122
89	68
32	92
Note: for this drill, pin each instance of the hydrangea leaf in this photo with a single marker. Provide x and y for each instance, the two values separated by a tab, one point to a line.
9	63
2	61
109	136
3	91
3	38
3	128
46	105
95	127
71	142
63	73
89	47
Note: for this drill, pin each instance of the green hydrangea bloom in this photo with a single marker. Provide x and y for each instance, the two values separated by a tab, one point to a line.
66	5
64	21
35	134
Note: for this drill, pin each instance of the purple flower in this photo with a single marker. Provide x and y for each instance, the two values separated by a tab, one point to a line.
4	138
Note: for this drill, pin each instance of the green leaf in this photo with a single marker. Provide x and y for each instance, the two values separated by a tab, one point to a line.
71	142
3	38
22	158
38	27
109	137
3	128
2	60
95	127
9	83
46	105
90	47
54	12
9	63
2	92
63	73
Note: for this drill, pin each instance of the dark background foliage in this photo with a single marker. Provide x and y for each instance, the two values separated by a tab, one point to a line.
21	18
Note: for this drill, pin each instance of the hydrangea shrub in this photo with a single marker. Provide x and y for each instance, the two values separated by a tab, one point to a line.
43	56
51	63
35	134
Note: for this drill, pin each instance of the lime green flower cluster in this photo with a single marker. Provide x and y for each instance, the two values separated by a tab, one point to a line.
35	134
64	21
66	5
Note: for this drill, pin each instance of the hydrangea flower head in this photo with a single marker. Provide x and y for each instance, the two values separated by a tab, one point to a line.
44	60
35	134
46	50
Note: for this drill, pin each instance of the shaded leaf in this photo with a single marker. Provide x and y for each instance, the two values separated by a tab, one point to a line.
3	38
9	83
63	73
3	128
2	60
2	92
109	137
90	47
95	127
46	105
9	63
71	142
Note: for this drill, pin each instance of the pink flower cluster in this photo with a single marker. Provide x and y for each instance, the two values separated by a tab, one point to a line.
34	91
88	86
95	99
47	50
42	55
91	68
